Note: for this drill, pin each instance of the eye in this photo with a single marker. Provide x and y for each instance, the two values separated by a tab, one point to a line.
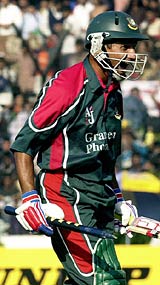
124	47
129	46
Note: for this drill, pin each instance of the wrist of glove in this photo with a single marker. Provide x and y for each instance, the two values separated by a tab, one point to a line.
32	213
125	211
118	194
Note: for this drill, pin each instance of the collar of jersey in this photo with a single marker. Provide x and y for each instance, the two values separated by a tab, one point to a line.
93	80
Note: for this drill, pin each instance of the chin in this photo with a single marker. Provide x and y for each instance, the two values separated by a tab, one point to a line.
118	77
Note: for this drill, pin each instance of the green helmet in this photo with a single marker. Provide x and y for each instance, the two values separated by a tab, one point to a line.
114	25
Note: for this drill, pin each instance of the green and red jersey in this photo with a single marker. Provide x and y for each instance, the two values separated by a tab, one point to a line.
75	125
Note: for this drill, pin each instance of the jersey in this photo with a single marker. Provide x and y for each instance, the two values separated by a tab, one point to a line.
75	125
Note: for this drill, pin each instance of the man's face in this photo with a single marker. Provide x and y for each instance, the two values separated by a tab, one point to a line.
121	50
120	56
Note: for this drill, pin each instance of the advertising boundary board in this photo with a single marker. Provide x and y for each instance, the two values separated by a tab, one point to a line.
40	266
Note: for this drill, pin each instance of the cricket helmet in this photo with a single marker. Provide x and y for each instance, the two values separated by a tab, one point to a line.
113	27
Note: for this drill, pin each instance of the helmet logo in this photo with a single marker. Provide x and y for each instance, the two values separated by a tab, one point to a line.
132	24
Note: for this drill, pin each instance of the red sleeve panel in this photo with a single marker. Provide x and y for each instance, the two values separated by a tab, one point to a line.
57	96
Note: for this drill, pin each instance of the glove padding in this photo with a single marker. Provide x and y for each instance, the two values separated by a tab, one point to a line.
53	211
128	213
32	216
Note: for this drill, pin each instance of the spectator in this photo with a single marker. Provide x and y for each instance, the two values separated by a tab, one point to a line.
155	157
155	98
70	26
130	145
100	6
7	167
70	59
44	24
151	65
137	10
8	186
4	86
154	5
26	70
8	78
5	146
155	74
3	123
6	95
151	24
55	15
121	5
83	7
31	22
23	5
136	112
20	112
154	110
124	161
5	71
10	20
136	163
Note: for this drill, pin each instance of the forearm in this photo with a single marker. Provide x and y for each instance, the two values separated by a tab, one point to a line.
31	214
116	189
25	171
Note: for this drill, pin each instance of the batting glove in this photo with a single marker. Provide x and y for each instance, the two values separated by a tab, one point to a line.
53	211
126	211
30	214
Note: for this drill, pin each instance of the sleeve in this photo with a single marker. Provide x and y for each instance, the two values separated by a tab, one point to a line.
49	115
54	108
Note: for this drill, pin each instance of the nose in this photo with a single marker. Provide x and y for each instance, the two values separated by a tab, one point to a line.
131	54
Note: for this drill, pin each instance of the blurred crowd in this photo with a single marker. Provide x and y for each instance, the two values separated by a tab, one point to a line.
37	38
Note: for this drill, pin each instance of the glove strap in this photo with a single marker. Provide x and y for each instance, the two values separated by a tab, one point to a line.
30	196
118	194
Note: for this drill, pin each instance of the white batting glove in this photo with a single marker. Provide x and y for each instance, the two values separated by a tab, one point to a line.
126	211
32	213
53	211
